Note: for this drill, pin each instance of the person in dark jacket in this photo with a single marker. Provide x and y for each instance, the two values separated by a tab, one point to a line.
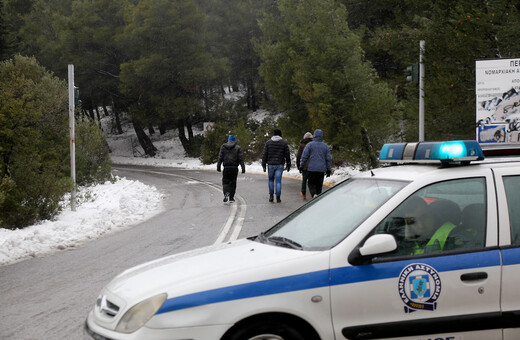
276	154
319	159
307	137
230	156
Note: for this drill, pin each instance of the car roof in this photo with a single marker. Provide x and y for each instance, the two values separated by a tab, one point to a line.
412	172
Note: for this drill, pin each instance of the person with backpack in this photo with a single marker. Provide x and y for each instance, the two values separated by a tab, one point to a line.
317	153
230	156
276	154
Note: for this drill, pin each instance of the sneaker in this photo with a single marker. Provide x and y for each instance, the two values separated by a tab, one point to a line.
304	196
271	198
226	197
231	200
278	199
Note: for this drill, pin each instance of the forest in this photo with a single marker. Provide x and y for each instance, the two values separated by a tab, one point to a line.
337	65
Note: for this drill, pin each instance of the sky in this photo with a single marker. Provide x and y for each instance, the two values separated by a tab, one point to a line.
114	206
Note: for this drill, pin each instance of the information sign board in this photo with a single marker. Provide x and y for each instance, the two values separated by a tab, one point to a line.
497	93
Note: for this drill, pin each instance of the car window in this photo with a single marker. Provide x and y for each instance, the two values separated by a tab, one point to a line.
444	216
328	219
512	186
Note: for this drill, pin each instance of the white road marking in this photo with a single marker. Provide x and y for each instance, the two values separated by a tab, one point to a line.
227	226
238	221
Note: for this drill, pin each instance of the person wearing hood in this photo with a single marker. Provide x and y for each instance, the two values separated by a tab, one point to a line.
307	137
319	159
276	154
230	156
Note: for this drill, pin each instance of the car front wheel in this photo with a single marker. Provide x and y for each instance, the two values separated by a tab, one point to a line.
267	330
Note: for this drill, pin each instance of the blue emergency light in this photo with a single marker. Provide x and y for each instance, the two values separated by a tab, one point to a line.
429	152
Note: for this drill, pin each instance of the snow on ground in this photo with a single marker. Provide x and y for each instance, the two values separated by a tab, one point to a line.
109	207
101	210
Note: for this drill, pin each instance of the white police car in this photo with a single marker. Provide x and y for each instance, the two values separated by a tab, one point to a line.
412	251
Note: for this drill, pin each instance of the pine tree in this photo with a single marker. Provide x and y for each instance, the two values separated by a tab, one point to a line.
313	57
168	64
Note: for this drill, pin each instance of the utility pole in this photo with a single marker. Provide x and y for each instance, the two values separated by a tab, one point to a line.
421	92
72	141
416	76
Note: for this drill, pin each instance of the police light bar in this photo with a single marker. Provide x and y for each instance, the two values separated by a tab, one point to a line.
430	152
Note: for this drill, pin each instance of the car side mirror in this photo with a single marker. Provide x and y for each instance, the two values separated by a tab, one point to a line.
378	244
375	245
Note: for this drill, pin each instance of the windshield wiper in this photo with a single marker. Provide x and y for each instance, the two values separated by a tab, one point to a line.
283	241
261	238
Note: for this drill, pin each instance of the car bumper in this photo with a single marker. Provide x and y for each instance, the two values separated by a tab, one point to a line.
91	331
88	334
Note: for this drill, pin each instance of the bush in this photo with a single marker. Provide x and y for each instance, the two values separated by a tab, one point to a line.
251	136
92	154
33	143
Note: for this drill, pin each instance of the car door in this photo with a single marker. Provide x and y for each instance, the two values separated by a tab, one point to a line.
508	193
448	293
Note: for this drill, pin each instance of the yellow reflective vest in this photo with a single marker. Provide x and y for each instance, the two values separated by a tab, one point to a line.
440	236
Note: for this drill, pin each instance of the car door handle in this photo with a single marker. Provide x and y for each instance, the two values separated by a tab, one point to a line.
474	276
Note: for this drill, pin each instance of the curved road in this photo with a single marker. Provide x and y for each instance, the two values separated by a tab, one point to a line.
49	297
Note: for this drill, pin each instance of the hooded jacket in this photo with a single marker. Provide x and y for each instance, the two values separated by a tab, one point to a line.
303	144
317	153
230	155
276	152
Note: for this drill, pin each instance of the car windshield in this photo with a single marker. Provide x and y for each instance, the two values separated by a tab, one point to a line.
329	218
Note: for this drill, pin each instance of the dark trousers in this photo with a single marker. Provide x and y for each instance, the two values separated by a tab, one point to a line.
229	181
305	175
315	182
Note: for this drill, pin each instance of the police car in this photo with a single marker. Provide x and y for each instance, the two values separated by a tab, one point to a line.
426	248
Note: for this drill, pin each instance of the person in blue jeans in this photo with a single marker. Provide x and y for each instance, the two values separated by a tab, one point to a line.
276	154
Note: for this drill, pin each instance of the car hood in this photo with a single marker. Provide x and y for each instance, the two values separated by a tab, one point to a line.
213	267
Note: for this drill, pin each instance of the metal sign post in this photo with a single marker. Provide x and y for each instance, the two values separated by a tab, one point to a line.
421	92
72	141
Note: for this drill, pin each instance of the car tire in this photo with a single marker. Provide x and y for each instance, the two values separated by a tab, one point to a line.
267	330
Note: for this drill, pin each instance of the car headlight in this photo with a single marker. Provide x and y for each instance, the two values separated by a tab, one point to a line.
139	314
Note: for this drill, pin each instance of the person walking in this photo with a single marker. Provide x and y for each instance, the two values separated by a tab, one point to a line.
276	154
307	137
319	159
230	156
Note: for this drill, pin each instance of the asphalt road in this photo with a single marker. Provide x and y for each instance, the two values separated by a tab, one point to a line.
49	297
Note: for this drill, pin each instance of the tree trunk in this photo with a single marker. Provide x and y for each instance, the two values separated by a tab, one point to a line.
97	113
182	136
151	130
116	110
190	131
251	96
90	111
162	129
144	140
372	158
98	117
